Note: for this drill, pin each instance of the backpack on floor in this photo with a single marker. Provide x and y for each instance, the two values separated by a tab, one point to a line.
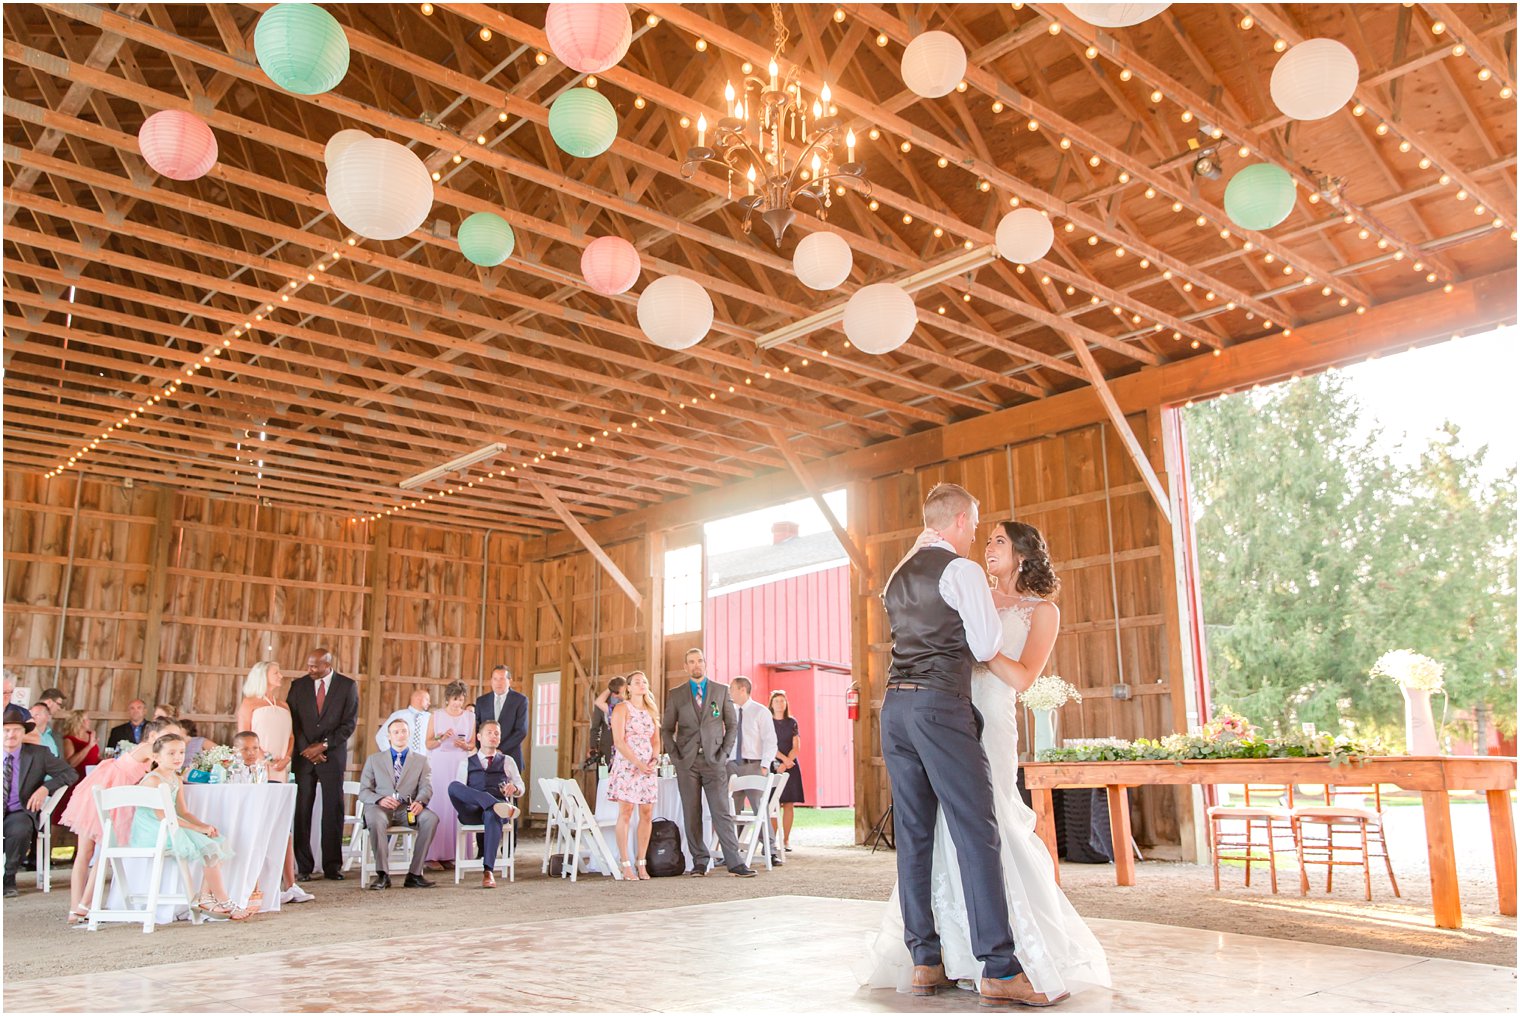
664	858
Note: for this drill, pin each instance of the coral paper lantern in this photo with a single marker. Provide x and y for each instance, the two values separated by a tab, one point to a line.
486	239
301	47
177	144
933	64
879	318
675	312
1116	15
822	260
583	123
1024	236
589	38
610	265
1314	79
1259	196
379	189
339	142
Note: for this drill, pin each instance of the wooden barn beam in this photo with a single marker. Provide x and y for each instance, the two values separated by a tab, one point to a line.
1126	433
1459	31
799	470
594	548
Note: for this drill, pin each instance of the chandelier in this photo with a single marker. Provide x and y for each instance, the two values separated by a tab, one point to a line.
784	149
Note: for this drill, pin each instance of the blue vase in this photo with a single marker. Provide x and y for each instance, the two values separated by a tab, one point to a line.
1044	730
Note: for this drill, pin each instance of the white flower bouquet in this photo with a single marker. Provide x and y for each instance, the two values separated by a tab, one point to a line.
221	756
1049	692
1411	670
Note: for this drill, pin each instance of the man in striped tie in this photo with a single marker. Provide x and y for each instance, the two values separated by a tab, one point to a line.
415	715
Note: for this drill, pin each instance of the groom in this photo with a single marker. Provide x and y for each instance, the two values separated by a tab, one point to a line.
944	622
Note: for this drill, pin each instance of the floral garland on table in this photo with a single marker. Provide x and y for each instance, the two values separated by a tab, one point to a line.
1228	736
1049	692
1411	670
221	756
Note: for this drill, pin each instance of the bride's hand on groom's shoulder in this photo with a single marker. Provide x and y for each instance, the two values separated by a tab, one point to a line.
926	538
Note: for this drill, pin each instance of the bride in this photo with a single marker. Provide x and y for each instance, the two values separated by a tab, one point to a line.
1055	947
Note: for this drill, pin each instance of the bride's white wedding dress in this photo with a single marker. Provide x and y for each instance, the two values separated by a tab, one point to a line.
1056	948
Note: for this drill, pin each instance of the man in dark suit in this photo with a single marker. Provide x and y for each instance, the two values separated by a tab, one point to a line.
324	710
508	708
132	730
31	772
699	731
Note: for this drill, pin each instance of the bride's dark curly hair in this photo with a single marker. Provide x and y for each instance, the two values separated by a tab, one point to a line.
1036	576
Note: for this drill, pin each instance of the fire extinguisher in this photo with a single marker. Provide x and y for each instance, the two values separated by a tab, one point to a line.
852	701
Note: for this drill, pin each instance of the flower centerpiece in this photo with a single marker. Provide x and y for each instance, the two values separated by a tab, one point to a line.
1228	735
213	762
1042	699
1417	676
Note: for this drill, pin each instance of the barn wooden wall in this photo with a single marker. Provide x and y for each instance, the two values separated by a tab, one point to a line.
171	597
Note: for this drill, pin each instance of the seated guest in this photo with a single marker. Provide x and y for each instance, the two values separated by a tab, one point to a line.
31	773
250	766
9	683
42	718
55	700
486	780
80	748
194	743
601	718
416	716
396	783
132	730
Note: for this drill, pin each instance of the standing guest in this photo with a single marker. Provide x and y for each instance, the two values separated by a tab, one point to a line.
30	774
633	782
166	711
324	710
55	699
80	748
450	737
79	815
755	744
192	839
416	715
397	782
42	716
788	743
267	717
484	783
699	730
132	730
508	708
601	711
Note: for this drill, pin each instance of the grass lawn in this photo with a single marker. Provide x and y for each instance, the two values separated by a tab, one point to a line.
823	818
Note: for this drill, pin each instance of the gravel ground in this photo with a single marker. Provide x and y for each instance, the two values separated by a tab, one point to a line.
38	943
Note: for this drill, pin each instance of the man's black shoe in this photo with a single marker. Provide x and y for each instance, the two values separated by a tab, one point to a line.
334	876
742	871
380	881
419	882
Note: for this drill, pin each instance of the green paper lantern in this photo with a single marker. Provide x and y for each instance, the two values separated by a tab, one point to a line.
1260	196
301	47
486	239
583	123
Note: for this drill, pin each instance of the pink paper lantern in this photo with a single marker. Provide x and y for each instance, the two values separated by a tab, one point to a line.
610	265
178	144
589	38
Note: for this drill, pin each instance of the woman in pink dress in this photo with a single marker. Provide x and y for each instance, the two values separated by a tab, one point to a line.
633	782
80	815
450	737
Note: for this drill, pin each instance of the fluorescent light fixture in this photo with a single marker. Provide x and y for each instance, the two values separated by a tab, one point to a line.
960	264
490	451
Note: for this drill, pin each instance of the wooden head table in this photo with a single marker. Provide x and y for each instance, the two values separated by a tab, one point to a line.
1432	776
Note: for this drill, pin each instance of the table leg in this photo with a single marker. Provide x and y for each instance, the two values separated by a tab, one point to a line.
1045	825
1501	822
1445	895
1118	820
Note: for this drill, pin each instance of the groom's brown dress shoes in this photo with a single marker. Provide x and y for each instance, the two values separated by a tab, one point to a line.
929	979
1015	991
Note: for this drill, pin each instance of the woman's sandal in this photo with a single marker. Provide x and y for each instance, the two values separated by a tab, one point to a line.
213	908
643	871
79	916
628	875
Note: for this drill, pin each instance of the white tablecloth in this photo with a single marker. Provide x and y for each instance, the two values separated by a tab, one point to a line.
254	818
668	806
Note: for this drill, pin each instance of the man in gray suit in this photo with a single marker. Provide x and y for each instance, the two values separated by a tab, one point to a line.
699	730
395	786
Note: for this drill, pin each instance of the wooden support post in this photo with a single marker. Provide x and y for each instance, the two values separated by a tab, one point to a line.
369	660
567	674
590	544
1121	425
158	586
782	445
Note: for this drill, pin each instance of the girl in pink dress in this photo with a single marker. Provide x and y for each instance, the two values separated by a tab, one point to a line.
633	782
450	738
80	816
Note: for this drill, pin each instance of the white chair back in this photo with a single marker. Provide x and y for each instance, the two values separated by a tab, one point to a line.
751	821
553	818
581	833
111	858
45	839
353	825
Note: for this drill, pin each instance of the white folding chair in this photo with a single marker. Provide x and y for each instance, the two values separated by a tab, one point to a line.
403	840
506	850
110	858
45	840
580	832
353	825
752	820
774	808
553	818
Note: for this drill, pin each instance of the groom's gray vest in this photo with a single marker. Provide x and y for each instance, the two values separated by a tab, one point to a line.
928	638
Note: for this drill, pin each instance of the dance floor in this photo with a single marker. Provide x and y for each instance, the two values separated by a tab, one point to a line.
783	953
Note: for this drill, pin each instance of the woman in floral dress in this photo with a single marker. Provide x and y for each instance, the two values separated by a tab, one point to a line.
633	782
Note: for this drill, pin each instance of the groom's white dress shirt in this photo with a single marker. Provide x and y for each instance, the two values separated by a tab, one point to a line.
963	587
417	719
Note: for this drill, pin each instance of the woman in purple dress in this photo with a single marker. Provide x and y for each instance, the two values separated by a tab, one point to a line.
450	737
633	782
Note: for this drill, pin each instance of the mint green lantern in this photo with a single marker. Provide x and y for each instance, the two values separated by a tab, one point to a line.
486	239
583	123
301	47
1260	196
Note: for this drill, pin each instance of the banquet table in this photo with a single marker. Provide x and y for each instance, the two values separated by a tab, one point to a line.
1434	776
254	818
668	806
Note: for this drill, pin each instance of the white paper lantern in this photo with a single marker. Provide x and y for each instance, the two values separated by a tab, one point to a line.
1116	15
339	142
379	189
1314	79
1024	236
933	64
822	260
675	312
879	318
